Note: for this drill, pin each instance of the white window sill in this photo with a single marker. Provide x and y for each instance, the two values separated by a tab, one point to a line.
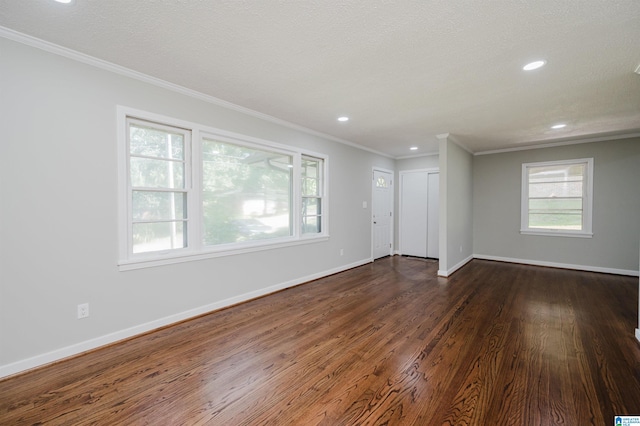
554	233
149	262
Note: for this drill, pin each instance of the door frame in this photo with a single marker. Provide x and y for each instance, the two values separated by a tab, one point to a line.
428	171
393	213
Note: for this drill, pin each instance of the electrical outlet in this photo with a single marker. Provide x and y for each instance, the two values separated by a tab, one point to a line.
341	252
83	310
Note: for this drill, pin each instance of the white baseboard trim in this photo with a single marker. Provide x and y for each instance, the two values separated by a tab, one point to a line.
457	266
87	345
559	265
638	334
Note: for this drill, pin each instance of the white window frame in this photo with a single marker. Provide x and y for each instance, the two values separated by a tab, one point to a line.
587	201
320	196
196	250
187	190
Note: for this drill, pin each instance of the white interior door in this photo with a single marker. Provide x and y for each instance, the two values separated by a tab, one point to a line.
413	213
382	213
433	216
419	213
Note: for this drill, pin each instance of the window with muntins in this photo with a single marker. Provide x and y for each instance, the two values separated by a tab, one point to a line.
189	192
159	178
556	198
312	189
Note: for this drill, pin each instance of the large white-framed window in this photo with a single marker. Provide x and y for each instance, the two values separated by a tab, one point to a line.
557	198
189	191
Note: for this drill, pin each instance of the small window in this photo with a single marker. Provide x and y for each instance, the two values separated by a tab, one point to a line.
556	198
159	186
382	182
312	194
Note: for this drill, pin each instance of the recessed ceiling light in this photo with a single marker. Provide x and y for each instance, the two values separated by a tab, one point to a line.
534	65
559	126
414	148
64	1
343	118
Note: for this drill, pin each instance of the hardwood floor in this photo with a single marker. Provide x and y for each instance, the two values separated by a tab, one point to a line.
385	343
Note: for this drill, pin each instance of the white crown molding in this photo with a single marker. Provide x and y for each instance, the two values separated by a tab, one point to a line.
428	154
561	143
117	69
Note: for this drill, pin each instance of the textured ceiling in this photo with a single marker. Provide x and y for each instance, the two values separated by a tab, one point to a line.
404	71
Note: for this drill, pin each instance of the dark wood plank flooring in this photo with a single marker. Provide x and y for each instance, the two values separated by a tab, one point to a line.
386	343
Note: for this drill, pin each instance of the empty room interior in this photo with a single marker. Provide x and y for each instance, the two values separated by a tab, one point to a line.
319	212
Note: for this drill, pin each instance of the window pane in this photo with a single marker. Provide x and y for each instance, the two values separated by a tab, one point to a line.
155	142
148	237
246	193
555	213
311	225
551	205
149	205
567	220
552	173
382	183
310	168
310	206
148	173
556	189
310	187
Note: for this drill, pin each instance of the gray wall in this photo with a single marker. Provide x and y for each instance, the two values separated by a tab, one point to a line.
58	217
415	163
616	207
456	207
